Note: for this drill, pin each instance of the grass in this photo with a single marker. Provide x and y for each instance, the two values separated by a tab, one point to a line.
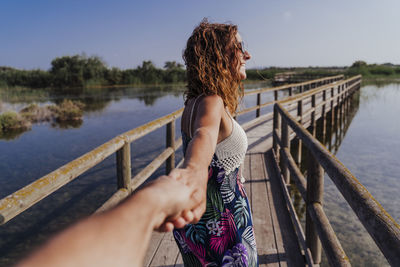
66	111
11	120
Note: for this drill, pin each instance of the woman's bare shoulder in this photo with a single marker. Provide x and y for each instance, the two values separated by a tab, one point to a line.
212	102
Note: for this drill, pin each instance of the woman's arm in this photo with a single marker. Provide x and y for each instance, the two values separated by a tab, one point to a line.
200	150
118	237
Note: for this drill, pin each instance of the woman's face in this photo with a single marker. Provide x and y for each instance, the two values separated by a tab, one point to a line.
243	57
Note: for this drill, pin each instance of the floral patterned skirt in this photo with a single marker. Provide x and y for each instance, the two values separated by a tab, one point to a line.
224	236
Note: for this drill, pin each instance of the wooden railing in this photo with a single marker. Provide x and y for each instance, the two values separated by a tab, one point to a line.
379	224
26	197
301	87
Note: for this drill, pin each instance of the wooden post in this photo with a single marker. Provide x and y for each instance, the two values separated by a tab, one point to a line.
337	107
332	108
323	116
276	95
346	106
297	156
290	91
258	104
170	164
285	144
300	109
275	130
315	189
124	167
313	122
350	97
342	105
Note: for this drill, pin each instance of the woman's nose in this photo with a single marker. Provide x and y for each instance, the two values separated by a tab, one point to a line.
247	55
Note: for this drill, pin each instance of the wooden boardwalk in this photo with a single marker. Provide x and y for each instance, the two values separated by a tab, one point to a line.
277	243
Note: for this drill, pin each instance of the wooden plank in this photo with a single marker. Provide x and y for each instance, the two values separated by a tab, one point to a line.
263	228
247	176
287	243
167	252
154	244
179	261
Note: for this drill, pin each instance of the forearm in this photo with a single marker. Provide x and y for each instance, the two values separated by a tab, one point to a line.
200	150
116	238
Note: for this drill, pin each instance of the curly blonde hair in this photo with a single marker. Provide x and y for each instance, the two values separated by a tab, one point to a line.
211	63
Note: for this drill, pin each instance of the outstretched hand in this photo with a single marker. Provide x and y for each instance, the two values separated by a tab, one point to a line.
186	191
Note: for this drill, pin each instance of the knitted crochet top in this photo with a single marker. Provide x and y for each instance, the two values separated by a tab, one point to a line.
231	151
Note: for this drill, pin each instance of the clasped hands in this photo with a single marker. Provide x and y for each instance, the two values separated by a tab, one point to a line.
181	196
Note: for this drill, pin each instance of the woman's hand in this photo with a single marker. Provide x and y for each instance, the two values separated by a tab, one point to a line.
174	202
199	152
196	180
188	193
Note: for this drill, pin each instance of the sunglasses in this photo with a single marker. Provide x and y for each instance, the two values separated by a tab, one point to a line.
240	46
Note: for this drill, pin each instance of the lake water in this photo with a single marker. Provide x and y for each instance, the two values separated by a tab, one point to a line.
370	149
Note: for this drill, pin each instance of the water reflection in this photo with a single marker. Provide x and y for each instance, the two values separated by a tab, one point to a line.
67	124
12	134
94	100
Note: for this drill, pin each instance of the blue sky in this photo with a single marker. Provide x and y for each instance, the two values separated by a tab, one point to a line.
124	33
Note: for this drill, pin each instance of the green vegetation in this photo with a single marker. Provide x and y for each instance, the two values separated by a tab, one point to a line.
83	71
65	112
370	72
309	72
11	120
80	71
262	74
386	70
35	113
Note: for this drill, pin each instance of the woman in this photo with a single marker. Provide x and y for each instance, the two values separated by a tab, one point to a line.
215	146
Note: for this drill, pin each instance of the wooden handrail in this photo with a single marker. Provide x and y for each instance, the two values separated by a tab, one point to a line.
309	84
304	95
26	197
29	195
288	86
380	225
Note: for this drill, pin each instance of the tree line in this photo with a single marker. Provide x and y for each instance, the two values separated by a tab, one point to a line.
365	69
83	71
